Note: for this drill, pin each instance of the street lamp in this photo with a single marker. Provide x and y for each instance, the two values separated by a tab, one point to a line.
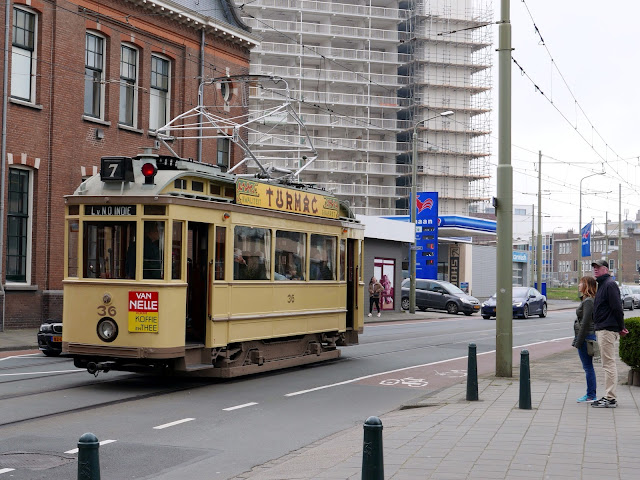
580	226
414	193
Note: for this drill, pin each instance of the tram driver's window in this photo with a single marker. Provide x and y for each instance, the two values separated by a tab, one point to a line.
322	262
290	261
153	251
106	249
251	253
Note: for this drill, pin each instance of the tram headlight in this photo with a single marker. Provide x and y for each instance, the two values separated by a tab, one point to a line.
107	329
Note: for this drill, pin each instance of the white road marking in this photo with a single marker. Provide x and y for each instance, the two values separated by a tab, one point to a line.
104	442
301	392
21	356
75	370
171	424
240	406
6	470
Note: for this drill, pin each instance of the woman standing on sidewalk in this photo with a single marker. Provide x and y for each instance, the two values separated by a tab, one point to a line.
375	287
583	327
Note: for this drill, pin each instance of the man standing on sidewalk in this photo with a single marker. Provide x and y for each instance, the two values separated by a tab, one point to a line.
608	320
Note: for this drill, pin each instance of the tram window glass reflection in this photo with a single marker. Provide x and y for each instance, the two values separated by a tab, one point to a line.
72	250
153	252
105	249
343	259
221	233
251	253
290	262
322	264
176	251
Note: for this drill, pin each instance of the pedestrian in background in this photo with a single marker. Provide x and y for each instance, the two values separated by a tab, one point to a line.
608	321
584	332
375	288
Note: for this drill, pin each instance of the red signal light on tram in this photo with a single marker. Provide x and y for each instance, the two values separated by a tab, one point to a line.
149	171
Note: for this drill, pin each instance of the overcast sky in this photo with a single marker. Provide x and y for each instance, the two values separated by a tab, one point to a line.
595	48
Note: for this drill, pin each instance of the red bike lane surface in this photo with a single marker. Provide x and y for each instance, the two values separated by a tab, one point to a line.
437	375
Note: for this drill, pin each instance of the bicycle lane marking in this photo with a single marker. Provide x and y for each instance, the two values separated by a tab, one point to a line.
445	373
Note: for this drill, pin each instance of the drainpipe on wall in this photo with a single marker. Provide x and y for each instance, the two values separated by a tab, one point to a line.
201	100
3	148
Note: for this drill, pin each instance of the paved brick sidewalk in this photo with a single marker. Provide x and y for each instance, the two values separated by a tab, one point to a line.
445	437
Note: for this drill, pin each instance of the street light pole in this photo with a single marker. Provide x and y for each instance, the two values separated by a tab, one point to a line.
414	206
580	226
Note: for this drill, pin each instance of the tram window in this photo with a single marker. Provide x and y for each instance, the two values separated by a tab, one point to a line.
107	248
176	251
343	259
290	262
180	183
155	210
74	209
221	233
252	253
72	252
197	186
153	253
322	265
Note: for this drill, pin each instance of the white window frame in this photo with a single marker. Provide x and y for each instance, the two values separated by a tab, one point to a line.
102	73
134	123
17	50
637	245
152	116
29	228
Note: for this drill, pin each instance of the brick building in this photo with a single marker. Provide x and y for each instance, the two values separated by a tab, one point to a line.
89	78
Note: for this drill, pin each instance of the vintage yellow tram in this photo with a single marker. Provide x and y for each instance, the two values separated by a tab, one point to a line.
175	266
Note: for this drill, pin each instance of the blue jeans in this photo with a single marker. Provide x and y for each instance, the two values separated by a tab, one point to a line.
587	364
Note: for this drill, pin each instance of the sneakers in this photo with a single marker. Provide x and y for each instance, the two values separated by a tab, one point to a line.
586	399
369	315
605	402
378	313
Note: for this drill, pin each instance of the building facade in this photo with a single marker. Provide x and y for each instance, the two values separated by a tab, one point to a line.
91	79
363	74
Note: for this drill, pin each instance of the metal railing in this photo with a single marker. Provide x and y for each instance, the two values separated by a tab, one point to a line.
391	14
333	143
364	55
335	97
314	74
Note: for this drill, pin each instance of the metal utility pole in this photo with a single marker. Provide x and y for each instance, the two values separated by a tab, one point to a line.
619	275
580	227
533	237
504	201
539	246
606	235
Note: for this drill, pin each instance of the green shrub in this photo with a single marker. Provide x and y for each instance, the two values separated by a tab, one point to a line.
630	344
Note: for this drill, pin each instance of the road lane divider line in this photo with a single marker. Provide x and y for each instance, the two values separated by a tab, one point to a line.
353	380
171	424
6	470
75	370
39	354
240	406
103	442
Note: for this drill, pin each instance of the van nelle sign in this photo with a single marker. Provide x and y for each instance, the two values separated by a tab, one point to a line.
143	312
427	235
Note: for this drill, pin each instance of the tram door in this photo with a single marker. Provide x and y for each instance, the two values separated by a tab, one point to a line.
197	258
351	281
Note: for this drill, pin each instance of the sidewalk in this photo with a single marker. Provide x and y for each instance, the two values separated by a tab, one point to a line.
443	436
19	339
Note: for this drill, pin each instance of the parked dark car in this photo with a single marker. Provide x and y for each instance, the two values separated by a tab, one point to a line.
526	301
439	295
635	293
50	339
626	295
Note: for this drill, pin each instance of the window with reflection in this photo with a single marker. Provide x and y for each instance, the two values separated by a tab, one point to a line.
221	233
109	250
176	250
251	253
290	261
322	260
343	259
153	251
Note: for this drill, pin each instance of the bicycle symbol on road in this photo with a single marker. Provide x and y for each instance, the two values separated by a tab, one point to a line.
408	381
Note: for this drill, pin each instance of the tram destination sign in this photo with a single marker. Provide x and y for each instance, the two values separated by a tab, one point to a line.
109	210
143	312
274	197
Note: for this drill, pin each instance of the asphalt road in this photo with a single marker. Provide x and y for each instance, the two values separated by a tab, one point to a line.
175	428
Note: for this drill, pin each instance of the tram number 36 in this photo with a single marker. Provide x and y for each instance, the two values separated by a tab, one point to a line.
104	310
291	298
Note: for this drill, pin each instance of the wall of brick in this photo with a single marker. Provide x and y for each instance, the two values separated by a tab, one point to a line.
55	131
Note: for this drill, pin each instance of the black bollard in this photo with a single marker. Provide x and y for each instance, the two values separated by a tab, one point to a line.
525	381
472	374
88	460
372	462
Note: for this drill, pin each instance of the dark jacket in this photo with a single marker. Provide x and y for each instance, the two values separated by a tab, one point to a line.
583	325
607	307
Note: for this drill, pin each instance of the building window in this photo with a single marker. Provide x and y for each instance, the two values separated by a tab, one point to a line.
637	245
94	76
159	94
223	152
18	225
23	55
128	85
